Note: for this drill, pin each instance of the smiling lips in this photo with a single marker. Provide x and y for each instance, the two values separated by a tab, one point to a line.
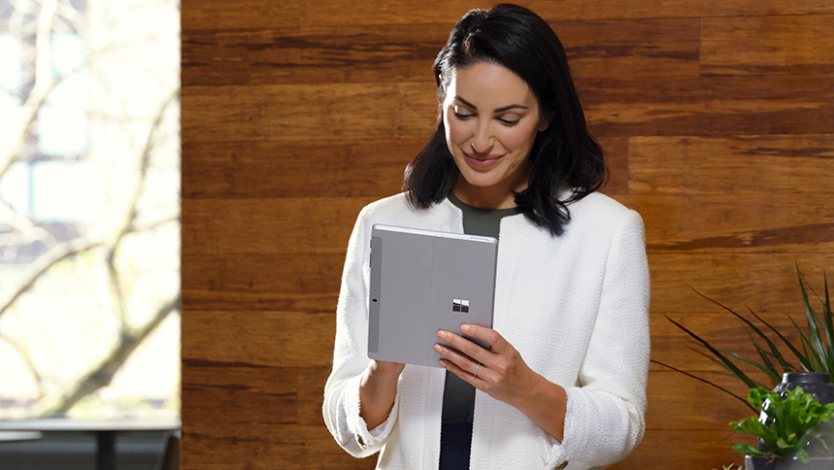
482	161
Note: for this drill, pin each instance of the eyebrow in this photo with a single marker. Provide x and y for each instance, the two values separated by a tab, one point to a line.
496	110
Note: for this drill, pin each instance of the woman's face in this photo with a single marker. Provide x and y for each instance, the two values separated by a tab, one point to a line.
491	118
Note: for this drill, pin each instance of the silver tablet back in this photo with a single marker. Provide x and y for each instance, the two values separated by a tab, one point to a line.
423	281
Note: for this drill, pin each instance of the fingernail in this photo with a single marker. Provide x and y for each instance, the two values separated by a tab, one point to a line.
441	333
438	348
464	327
443	363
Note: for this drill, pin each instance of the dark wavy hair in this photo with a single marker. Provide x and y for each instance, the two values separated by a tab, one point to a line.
565	152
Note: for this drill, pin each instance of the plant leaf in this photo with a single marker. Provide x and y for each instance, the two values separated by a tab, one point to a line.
762	368
708	383
747	449
810	352
813	330
759	332
785	364
771	369
828	325
729	372
803	360
741	375
711	358
803	456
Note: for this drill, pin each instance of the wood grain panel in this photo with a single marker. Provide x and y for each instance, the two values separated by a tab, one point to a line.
291	339
765	282
684	449
715	116
241	395
311	381
245	416
768	44
300	282
266	14
396	53
716	105
270	169
305	225
679	403
630	48
349	113
759	222
273	339
673	347
281	395
755	222
250	404
310	282
294	339
336	54
312	114
777	164
616	157
264	447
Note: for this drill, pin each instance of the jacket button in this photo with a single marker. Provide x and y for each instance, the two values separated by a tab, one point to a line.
561	465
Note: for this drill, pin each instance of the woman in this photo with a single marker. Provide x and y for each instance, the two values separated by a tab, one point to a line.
563	384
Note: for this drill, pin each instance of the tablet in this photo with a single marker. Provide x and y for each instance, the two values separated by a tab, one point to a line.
423	281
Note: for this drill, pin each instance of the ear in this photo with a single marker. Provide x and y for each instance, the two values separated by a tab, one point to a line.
544	121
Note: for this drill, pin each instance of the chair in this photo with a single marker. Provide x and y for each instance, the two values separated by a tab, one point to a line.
169	459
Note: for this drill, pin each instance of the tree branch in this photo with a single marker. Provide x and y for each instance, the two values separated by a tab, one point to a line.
15	147
29	231
153	225
44	83
51	258
27	359
126	228
102	375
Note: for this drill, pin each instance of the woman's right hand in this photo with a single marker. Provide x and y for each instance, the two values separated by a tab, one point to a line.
378	390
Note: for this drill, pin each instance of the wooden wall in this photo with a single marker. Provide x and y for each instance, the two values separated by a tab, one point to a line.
717	117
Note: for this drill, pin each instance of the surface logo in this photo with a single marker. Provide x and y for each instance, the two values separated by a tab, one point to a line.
460	305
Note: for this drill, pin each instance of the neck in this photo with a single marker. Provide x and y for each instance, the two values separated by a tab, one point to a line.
499	196
477	197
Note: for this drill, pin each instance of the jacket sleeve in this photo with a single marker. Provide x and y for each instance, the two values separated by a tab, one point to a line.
350	359
605	418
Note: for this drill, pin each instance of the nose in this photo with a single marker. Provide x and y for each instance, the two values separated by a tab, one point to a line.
482	139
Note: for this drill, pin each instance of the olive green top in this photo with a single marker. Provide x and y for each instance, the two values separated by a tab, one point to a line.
459	396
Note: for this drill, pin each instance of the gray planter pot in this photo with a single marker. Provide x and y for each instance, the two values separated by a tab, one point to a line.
762	463
819	385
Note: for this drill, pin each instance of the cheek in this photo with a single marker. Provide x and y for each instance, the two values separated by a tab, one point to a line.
519	138
457	132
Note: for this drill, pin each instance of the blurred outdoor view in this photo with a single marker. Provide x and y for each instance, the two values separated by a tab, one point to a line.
89	209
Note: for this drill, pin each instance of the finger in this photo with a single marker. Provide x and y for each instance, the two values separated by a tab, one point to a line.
467	364
492	337
465	346
467	377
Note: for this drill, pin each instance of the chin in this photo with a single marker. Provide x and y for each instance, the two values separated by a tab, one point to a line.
481	182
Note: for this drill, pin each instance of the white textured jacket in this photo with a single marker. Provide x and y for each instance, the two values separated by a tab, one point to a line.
576	308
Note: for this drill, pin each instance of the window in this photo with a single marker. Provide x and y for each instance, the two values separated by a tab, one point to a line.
89	208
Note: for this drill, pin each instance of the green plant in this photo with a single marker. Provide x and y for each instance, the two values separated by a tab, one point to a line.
794	423
815	353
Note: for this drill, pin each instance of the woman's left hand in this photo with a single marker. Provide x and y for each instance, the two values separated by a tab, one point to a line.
499	372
